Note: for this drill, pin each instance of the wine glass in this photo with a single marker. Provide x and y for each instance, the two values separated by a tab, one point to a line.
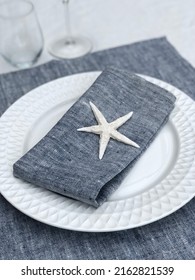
69	46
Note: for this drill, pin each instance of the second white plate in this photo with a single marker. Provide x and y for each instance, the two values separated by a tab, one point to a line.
162	181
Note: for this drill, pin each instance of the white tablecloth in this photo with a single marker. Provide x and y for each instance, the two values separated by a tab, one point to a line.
110	23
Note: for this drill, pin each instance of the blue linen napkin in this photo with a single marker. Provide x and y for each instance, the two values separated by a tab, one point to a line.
66	160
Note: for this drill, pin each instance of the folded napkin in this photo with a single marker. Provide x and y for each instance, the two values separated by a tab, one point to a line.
67	160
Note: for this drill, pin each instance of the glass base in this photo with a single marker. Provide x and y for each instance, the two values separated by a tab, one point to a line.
22	59
70	47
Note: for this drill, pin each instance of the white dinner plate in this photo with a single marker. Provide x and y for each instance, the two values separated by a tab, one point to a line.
162	181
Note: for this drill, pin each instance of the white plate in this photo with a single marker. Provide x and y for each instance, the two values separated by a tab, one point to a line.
162	181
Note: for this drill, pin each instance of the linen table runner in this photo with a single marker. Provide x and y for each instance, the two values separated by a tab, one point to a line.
170	238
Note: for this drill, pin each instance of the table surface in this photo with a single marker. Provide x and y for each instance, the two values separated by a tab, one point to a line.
112	23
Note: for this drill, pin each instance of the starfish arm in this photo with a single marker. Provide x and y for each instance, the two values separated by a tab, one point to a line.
120	121
122	138
98	115
104	139
93	129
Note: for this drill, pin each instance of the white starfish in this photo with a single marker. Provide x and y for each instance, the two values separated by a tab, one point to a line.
108	130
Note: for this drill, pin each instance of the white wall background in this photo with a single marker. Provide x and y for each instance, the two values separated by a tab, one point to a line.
112	23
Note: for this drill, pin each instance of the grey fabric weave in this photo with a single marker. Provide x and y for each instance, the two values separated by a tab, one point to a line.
170	238
66	161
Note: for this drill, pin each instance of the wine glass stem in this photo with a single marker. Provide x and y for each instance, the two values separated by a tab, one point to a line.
69	39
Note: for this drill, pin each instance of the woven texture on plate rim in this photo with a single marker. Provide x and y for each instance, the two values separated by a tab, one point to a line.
173	192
